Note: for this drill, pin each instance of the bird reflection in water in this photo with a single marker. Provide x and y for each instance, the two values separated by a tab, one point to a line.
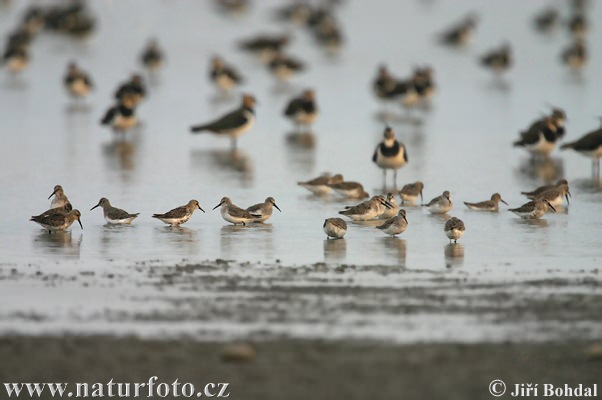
61	243
120	154
300	150
180	237
259	237
547	170
335	250
453	254
397	248
225	163
111	237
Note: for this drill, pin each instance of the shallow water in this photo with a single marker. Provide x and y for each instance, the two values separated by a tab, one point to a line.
463	144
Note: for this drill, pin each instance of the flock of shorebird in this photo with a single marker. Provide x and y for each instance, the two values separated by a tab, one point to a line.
540	137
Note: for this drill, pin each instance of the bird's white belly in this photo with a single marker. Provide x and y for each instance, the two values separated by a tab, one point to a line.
78	88
394	162
542	146
454	234
124	123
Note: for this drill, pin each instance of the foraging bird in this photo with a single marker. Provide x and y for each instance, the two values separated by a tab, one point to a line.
390	212
390	154
152	56
264	210
320	184
234	123
350	189
60	198
114	215
334	228
234	214
575	56
59	210
440	204
264	46
533	210
58	221
460	34
224	76
121	117
498	60
410	192
395	225
454	229
179	215
367	210
302	110
589	145
77	82
285	67
488	205
534	193
555	195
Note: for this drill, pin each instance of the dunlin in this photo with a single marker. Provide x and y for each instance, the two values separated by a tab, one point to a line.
224	76
555	196
179	215
320	184
533	210
58	221
390	154
234	214
440	204
390	212
395	225
487	205
60	198
367	210
534	193
59	210
264	210
114	215
334	228
410	192
234	123
77	82
454	229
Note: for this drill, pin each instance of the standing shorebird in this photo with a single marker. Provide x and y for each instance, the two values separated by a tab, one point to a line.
264	210
234	214
395	225
410	192
302	110
367	210
541	137
234	123
350	189
152	56
224	76
285	67
390	154
77	82
334	228
121	117
498	60
135	89
454	229
534	193
460	34
320	184
589	145
555	196
179	215
546	19
533	210
390	212
264	46
16	58
59	210
114	215
488	205
384	84
424	84
440	204
60	198
58	221
575	56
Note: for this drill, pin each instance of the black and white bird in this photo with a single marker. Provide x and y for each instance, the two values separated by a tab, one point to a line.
285	67
589	145
77	82
152	56
498	60
16	58
390	154
234	123
122	116
302	110
424	84
543	134
224	76
134	89
460	34
575	56
546	19
265	47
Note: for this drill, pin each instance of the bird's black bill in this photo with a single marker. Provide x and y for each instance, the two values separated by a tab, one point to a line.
504	202
95	207
217	206
277	208
53	193
202	209
80	224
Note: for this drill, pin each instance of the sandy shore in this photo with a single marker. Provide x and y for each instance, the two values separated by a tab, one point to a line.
303	369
